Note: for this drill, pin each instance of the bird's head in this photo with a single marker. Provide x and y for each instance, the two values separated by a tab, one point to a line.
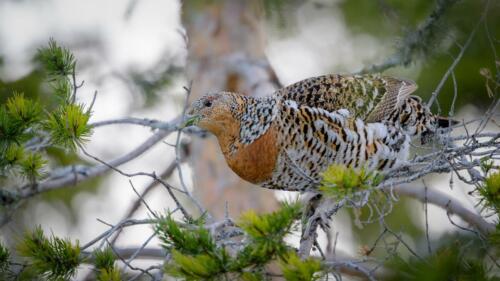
214	112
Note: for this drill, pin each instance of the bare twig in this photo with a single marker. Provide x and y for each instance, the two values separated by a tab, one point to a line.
446	202
135	206
455	63
178	155
426	218
66	177
167	186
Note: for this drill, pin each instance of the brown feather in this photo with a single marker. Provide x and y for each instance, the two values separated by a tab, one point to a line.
397	92
254	162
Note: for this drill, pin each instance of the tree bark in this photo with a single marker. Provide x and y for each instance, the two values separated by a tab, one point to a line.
226	53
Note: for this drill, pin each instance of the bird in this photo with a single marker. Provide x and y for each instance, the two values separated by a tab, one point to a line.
287	140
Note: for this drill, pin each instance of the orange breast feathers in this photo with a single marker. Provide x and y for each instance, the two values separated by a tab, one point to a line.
256	161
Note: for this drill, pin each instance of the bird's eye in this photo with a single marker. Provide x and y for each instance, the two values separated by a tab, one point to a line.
207	103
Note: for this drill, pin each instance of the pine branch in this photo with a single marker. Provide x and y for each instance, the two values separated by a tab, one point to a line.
72	176
416	43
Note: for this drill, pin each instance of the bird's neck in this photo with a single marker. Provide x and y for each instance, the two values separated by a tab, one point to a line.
251	120
256	118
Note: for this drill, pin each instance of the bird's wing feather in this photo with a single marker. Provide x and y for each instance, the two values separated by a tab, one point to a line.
314	136
397	91
369	97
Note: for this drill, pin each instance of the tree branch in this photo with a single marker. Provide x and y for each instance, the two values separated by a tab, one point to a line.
73	175
445	202
455	62
415	41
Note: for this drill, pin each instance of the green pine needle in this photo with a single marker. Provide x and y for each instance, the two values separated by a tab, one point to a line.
191	121
32	166
494	237
195	267
449	262
62	90
278	223
296	269
104	261
267	233
4	259
490	191
195	255
252	276
192	241
112	274
340	181
10	158
194	252
23	110
16	116
53	257
69	126
14	154
57	61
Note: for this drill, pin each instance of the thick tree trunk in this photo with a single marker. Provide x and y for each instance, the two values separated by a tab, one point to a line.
226	52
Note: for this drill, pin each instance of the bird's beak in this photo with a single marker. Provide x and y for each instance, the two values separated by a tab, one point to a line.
191	120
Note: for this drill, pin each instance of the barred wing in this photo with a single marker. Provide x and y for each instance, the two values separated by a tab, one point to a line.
369	97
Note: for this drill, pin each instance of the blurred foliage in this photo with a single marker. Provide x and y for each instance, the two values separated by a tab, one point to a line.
401	216
58	62
490	191
384	18
30	85
4	260
278	12
494	239
104	261
19	119
461	259
53	257
68	125
17	115
296	269
152	83
267	232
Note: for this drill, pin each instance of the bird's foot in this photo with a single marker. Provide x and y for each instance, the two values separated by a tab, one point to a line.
316	213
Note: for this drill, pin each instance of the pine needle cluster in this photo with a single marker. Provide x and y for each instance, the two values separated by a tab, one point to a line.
26	131
340	181
490	191
104	262
4	260
197	256
51	257
449	262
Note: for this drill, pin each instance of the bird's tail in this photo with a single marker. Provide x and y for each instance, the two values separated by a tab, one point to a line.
445	122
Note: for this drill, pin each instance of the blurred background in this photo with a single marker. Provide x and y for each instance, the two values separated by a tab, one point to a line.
138	55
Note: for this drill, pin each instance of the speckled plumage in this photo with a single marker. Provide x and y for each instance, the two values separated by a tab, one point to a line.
287	140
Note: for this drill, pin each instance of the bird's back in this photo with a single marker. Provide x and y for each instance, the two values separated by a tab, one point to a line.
369	97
